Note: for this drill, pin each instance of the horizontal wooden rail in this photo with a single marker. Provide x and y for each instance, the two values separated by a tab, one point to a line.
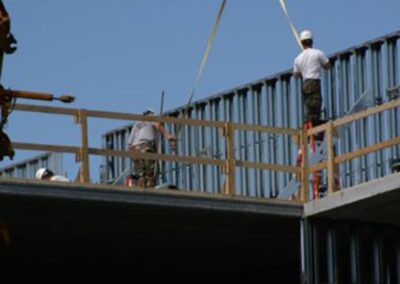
270	167
46	147
163	157
356	116
367	150
46	109
164	119
355	154
269	129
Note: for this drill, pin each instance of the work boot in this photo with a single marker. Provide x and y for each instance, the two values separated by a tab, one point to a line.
141	182
150	182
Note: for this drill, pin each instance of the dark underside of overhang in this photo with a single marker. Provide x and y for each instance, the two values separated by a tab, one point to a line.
145	241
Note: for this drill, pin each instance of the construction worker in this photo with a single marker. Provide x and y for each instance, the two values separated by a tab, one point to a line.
46	174
308	65
143	138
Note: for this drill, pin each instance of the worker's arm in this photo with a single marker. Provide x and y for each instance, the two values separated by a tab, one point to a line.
324	61
296	74
164	132
327	65
296	70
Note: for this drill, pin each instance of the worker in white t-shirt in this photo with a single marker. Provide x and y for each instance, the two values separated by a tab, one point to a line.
143	138
46	174
308	65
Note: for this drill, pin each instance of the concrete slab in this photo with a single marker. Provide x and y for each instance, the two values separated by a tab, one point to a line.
376	201
152	234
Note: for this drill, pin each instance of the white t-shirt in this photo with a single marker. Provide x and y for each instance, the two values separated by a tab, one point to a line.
309	63
142	131
59	178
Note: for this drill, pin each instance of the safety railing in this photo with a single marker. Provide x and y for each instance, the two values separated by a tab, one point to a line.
228	162
228	130
331	130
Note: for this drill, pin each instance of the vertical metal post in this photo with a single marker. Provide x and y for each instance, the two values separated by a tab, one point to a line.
378	265
203	145
243	141
315	252
306	251
354	258
257	140
84	151
230	159
398	261
331	254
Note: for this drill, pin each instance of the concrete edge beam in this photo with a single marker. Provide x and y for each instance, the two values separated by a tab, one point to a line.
150	197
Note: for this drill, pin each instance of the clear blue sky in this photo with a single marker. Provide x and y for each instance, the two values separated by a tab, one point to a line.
119	55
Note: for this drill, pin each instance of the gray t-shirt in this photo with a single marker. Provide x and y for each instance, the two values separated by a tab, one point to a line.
142	131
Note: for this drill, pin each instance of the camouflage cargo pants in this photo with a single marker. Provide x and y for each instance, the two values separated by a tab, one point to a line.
312	99
145	169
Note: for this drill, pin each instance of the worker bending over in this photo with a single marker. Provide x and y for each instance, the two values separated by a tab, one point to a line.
46	174
143	138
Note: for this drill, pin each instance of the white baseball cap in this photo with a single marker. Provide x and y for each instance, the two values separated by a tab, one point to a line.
40	173
306	34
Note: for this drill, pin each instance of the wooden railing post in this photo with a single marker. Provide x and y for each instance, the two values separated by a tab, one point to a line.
305	187
229	134
84	150
331	157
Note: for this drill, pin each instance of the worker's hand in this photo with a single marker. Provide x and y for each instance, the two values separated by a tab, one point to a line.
172	142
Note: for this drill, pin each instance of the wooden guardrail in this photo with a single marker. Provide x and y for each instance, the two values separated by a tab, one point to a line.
330	130
83	152
228	129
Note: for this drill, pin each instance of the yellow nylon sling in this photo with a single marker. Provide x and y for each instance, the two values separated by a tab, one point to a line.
204	59
292	27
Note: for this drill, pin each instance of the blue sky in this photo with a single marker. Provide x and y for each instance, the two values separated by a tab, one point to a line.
119	55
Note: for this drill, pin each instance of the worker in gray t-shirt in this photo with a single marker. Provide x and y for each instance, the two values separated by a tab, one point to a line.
143	138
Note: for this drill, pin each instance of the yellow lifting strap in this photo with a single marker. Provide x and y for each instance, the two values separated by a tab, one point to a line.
205	55
292	27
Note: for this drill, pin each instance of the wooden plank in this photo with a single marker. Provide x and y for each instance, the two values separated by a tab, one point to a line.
367	150
46	109
365	113
165	119
46	147
163	157
359	115
260	128
84	153
317	167
357	153
230	159
270	167
331	157
157	118
304	194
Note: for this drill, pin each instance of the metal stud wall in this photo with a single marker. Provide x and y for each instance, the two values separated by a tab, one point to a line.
349	252
28	168
370	69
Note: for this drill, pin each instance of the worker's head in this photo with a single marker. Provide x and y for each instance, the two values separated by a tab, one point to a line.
306	38
148	111
44	173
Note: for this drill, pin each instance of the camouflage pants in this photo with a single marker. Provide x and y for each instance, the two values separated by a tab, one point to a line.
145	169
312	99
